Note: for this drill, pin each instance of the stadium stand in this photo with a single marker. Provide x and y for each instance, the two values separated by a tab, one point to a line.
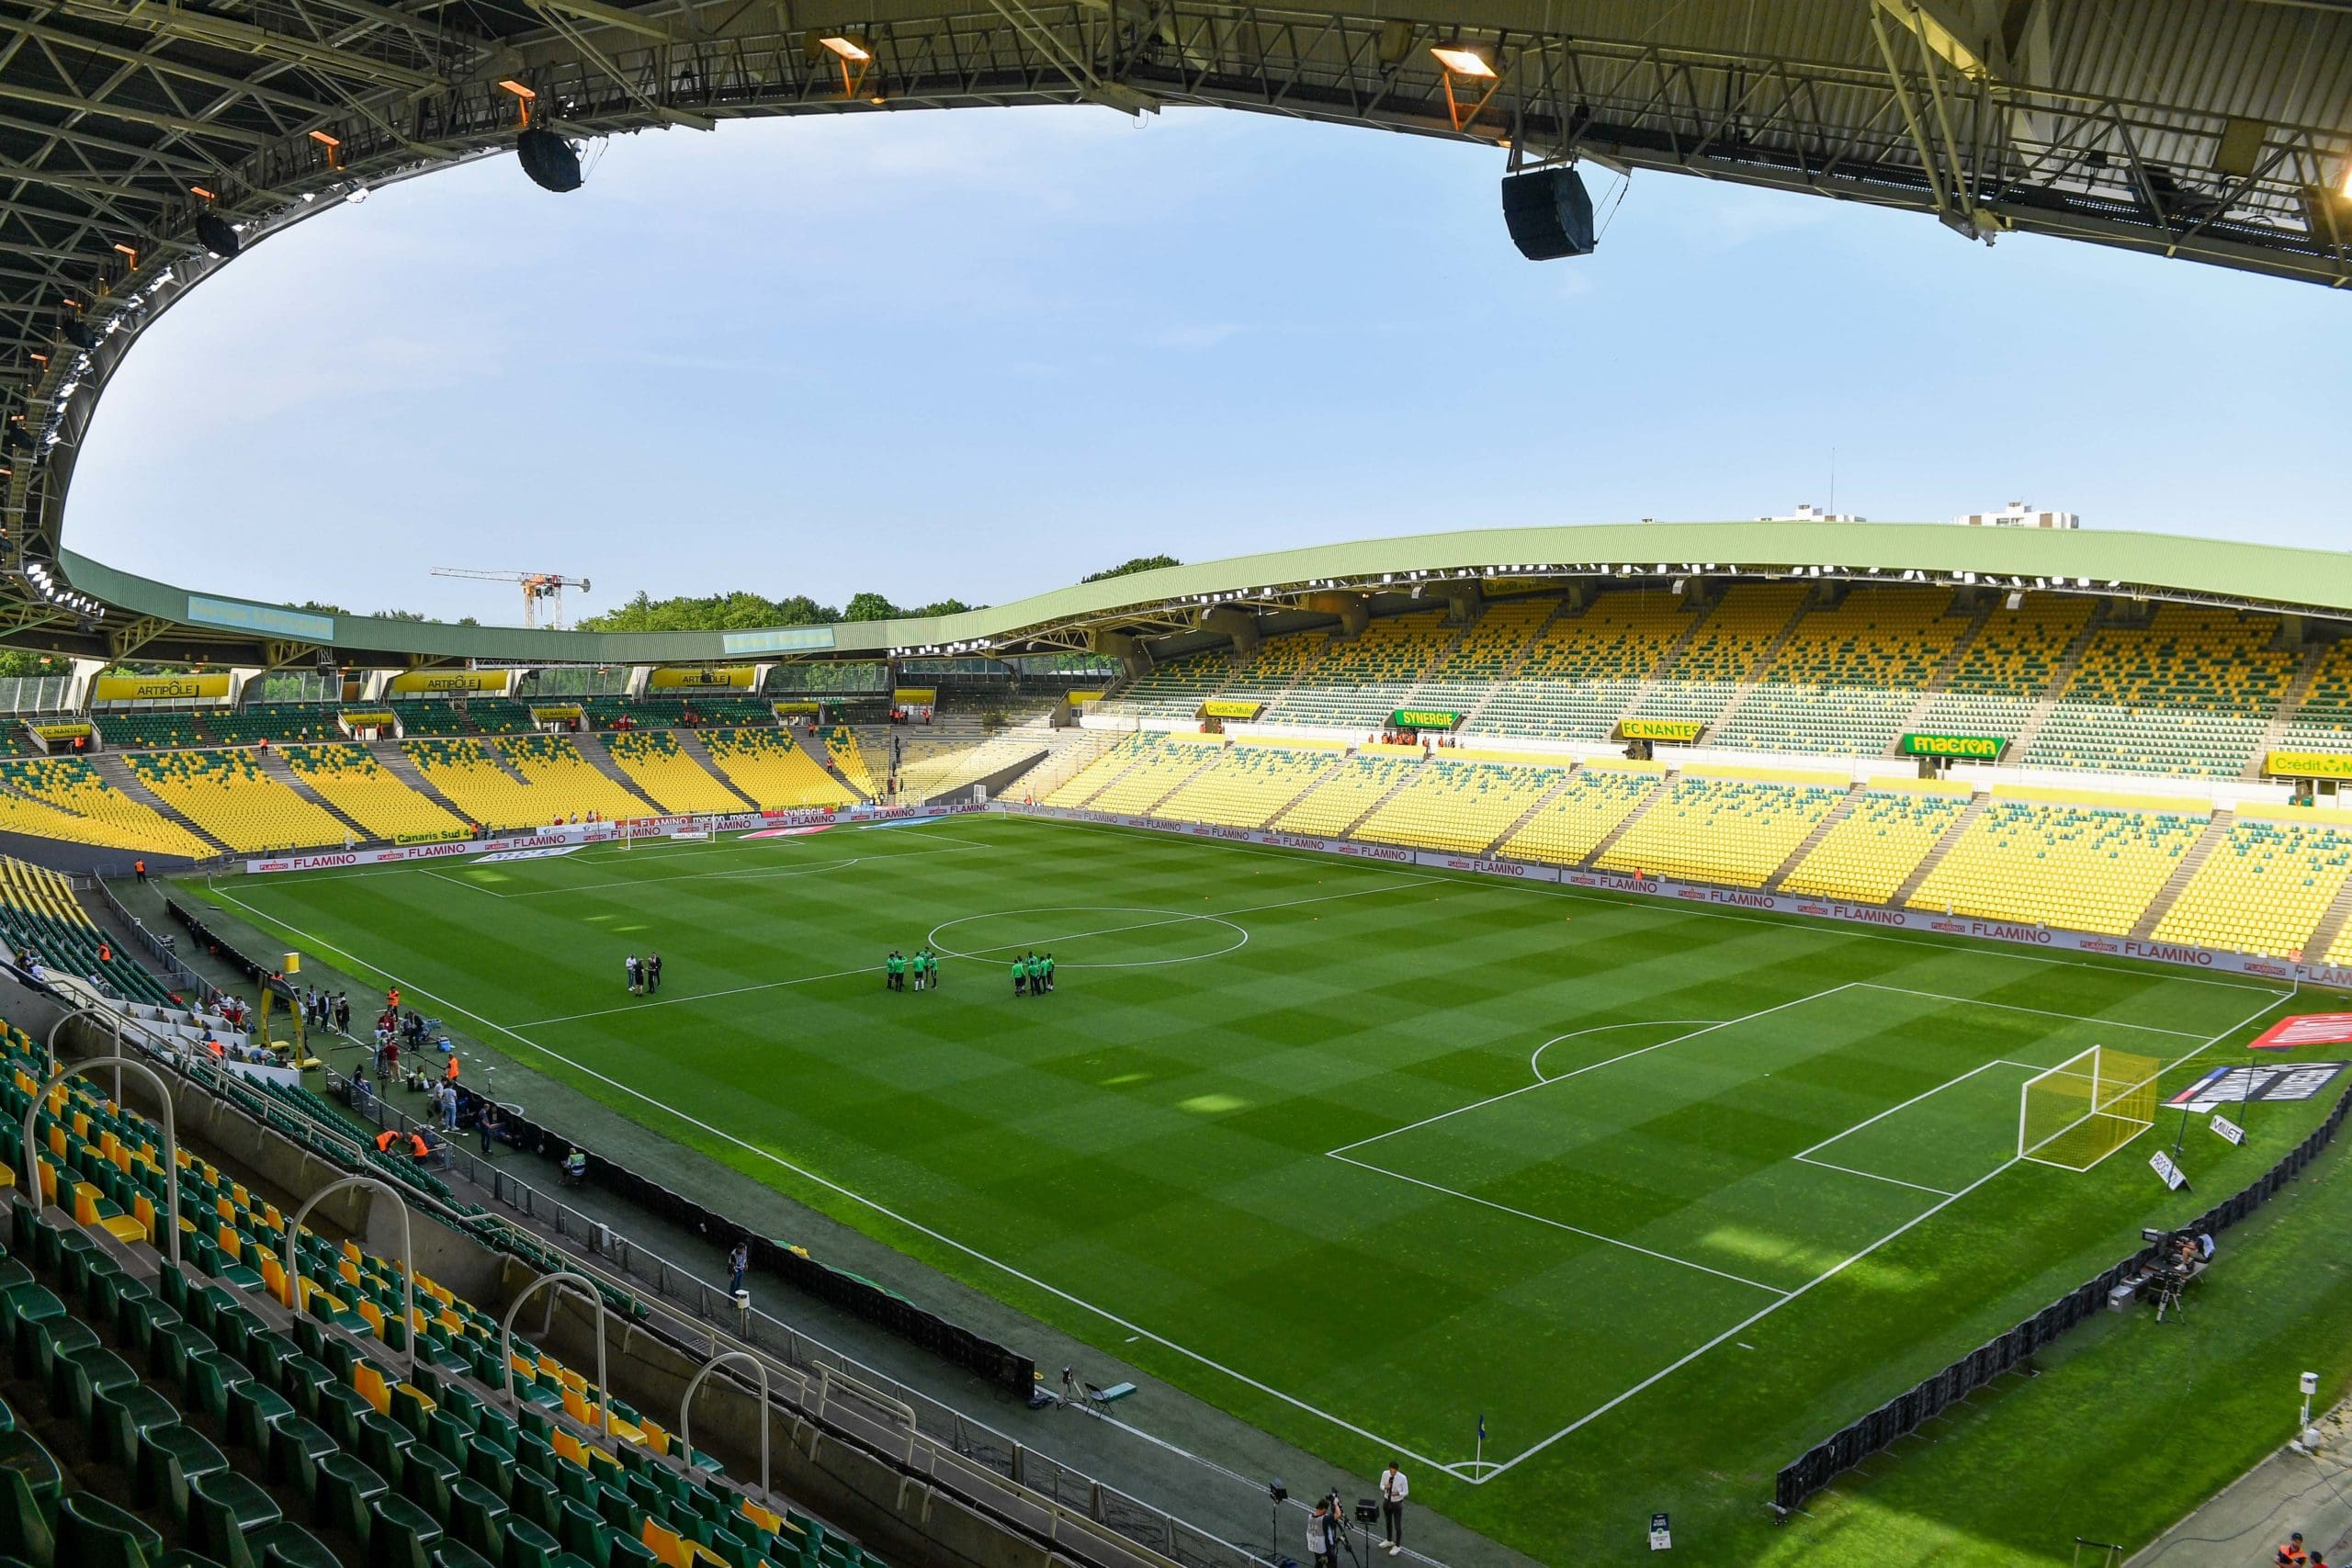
429	715
145	730
1849	675
567	783
1704	678
2080	867
1173	690
499	716
1248	784
2262	888
230	1413
1466	673
1459	807
2191	693
1358	684
849	760
1583	672
1083	785
929	769
474	782
2323	720
278	723
1566	828
2006	668
771	769
1728	830
1352	789
1890	831
353	782
228	795
1156	771
39	915
102	814
675	782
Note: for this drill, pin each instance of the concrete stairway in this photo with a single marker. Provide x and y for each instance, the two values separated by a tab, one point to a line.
1821	831
2331	925
1385	796
273	763
1938	682
1318	782
1106	784
111	767
592	748
1525	817
402	766
1751	679
2161	905
1609	839
2306	676
2069	662
1960	825
1216	754
691	744
1518	663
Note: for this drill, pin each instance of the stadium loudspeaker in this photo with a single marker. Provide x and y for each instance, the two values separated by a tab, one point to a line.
218	234
1549	213
548	159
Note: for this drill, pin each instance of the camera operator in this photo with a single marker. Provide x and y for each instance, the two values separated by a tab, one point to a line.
1322	1532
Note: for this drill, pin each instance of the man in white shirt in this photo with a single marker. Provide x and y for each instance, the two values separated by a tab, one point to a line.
1394	1489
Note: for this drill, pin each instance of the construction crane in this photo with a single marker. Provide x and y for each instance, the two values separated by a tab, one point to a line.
537	586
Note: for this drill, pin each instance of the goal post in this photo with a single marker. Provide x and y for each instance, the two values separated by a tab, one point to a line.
2075	1115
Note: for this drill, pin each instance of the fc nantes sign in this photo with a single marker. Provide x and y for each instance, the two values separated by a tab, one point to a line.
1684	729
1978	748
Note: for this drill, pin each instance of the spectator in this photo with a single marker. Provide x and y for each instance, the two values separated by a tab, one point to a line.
575	1168
486	1124
739	1263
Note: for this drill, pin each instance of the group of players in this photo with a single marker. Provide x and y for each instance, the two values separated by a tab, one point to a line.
923	966
1033	974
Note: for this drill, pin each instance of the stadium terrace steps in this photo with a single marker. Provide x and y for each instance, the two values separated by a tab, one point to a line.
2069	664
1519	662
402	766
1409	773
1626	823
1812	842
2299	691
691	744
2184	874
120	775
1901	898
1916	719
1750	681
273	763
1525	817
662	771
598	757
2329	932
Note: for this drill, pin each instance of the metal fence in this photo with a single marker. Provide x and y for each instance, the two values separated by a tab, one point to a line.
1907	1411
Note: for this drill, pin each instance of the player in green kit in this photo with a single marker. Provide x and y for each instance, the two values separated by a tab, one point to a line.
1047	963
898	970
1020	977
929	970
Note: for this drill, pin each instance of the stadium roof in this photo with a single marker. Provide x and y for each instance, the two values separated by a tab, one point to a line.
2218	131
176	624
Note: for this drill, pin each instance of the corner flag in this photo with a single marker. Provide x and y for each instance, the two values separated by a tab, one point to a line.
1481	1450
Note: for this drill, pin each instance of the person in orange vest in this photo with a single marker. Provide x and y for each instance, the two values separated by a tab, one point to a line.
449	1073
2293	1554
418	1147
385	1140
392	998
138	869
106	952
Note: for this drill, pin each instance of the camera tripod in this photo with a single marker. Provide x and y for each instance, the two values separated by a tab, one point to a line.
2169	1298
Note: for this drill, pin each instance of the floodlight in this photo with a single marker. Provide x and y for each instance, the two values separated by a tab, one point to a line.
217	234
2346	191
1460	61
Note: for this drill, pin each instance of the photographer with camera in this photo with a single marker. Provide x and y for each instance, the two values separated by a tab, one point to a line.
1323	1532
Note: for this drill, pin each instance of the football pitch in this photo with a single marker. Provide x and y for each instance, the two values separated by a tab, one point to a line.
1371	1156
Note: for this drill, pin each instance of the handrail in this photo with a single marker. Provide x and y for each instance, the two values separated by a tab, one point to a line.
506	1339
687	1406
171	1219
407	1253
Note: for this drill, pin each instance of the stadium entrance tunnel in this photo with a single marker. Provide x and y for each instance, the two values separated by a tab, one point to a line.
1090	936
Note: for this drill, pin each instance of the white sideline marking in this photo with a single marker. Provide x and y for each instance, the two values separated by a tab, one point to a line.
1930	941
1495	1469
1477	1474
1591	1067
1563	1225
1385	1444
2046	1012
1874	1176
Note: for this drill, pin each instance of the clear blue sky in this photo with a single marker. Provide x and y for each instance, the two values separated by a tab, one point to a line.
980	354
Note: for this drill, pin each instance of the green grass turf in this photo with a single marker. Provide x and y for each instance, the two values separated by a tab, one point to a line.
1566	1195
